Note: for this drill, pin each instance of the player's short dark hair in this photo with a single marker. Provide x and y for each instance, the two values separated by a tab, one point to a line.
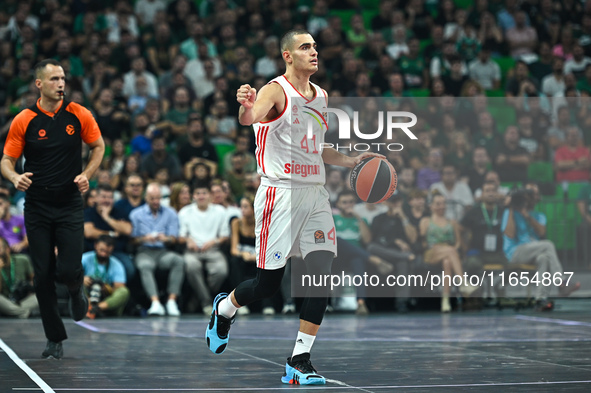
287	39
108	240
40	67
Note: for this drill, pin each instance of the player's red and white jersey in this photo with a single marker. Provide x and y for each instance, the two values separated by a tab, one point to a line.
286	157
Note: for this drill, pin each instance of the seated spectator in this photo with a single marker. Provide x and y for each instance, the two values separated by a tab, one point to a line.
138	69
219	125
481	227
180	196
179	112
17	297
158	159
485	71
392	236
531	139
204	228
458	151
430	174
457	193
369	211
476	172
352	231
584	84
557	133
12	227
522	38
242	146
572	160
584	230
514	86
156	227
455	79
486	136
414	67
196	147
134	196
512	160
104	220
335	184
502	191
104	279
221	194
236	174
441	240
523	230
554	83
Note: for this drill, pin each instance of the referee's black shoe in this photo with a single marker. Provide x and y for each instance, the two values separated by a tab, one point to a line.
78	305
53	350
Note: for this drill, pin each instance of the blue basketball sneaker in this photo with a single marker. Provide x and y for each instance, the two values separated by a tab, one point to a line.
299	371
216	334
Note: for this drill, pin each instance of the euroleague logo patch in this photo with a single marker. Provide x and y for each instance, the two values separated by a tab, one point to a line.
70	129
319	237
42	134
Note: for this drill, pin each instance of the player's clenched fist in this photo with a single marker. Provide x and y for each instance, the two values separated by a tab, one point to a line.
246	96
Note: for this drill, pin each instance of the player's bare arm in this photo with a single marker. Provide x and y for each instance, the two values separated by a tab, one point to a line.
21	181
331	156
96	156
257	107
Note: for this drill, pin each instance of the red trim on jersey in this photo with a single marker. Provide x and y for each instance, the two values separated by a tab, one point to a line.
261	141
304	97
284	107
269	203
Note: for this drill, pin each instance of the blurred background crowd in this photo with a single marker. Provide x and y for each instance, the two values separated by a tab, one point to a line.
501	89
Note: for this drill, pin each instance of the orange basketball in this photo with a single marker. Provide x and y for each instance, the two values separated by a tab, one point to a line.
374	180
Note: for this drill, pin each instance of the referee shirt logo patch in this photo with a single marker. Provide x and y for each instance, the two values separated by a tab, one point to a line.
319	237
42	133
70	129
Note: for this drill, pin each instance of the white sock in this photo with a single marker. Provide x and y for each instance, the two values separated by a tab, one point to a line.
227	308
303	344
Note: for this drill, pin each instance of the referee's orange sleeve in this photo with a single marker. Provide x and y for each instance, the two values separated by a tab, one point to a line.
15	141
90	130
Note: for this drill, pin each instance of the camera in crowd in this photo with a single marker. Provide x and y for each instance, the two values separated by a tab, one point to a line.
520	197
21	290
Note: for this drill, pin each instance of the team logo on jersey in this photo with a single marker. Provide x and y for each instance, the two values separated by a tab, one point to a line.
296	121
277	255
294	110
319	117
42	133
319	237
70	129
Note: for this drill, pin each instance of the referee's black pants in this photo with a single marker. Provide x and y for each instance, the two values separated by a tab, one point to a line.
55	220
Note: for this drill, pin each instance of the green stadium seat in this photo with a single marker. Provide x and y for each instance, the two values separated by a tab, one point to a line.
424	43
464	4
495	93
573	190
222	150
506	63
541	171
369	4
420	92
367	17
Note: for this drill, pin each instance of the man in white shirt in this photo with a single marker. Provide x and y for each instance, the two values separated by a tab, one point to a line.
457	193
554	83
577	64
484	71
138	69
146	10
203	226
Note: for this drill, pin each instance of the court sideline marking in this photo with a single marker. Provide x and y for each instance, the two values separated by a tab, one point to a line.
23	366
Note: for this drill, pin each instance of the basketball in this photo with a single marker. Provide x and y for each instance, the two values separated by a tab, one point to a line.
374	180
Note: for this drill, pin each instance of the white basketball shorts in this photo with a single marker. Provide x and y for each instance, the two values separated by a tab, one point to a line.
292	221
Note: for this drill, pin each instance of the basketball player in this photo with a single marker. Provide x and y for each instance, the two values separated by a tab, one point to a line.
293	215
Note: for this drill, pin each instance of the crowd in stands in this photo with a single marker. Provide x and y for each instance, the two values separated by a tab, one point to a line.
501	89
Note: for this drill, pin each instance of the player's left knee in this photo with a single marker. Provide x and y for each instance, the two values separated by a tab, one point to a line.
319	262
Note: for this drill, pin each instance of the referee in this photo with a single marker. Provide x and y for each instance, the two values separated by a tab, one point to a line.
50	134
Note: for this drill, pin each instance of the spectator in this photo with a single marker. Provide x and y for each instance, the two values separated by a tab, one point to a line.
104	219
431	173
441	240
121	19
485	71
523	230
221	194
178	114
481	229
458	151
161	49
578	63
382	20
457	194
134	196
435	48
219	125
242	146
267	65
584	230
399	46
146	10
531	139
204	228
138	69
490	35
502	191
554	83
441	64
512	160
521	38
16	284
515	84
478	169
414	67
113	122
392	237
104	279
180	196
12	227
156	227
572	161
196	148
335	184
369	211
158	159
543	66
557	133
406	183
